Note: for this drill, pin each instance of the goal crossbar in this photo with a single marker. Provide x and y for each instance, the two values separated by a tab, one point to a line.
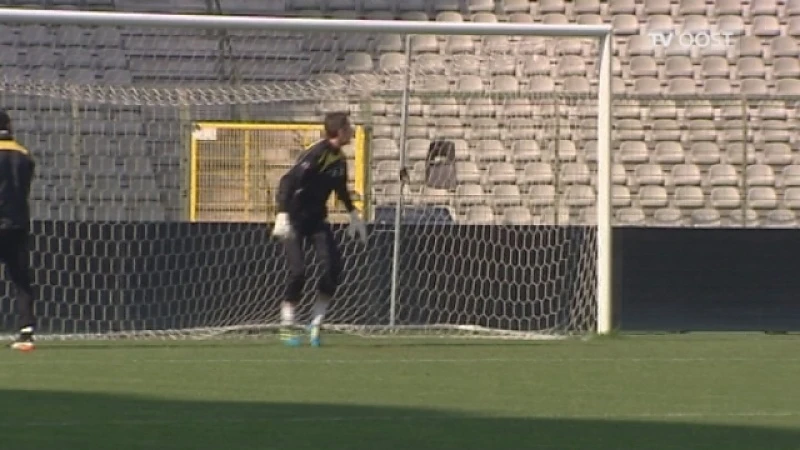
94	18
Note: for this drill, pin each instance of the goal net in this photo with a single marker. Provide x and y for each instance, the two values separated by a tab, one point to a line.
159	151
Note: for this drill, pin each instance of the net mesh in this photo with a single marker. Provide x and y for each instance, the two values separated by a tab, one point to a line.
498	231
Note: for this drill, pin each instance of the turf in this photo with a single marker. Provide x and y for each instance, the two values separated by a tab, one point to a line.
730	392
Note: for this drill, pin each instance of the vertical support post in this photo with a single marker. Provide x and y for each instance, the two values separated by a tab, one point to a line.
605	315
247	207
398	214
557	157
189	163
745	206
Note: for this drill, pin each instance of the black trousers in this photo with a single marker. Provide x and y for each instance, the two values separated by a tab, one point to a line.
321	237
15	254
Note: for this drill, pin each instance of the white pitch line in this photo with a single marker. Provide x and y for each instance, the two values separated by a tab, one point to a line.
416	418
42	361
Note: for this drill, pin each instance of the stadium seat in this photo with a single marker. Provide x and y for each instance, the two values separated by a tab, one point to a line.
620	196
631	217
669	152
666	130
689	197
468	195
653	197
586	7
506	195
723	175
706	218
524	151
762	197
780	218
668	217
725	197
633	152
516	216
540	196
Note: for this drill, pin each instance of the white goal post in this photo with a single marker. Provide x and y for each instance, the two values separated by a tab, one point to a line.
115	252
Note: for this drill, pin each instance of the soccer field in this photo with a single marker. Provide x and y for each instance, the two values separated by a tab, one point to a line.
719	391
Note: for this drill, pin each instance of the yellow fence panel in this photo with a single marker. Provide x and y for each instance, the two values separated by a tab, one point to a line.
236	168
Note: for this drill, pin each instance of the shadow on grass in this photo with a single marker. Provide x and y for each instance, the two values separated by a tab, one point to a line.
46	420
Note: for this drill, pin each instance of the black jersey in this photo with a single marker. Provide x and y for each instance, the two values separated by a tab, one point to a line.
304	190
16	175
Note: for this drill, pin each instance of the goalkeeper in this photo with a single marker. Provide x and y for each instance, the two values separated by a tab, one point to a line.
16	174
302	213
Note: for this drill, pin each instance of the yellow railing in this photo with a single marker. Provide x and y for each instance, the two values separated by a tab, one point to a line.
235	167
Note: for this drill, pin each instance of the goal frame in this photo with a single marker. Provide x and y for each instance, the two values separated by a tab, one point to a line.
602	33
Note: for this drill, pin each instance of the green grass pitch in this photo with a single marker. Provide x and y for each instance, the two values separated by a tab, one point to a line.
719	391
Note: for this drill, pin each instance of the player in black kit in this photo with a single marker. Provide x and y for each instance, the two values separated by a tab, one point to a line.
16	174
302	212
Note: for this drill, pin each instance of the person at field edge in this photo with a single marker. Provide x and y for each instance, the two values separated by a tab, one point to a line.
16	174
302	212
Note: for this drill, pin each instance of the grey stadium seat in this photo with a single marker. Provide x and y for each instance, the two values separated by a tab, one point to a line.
783	46
731	24
633	152
649	174
470	195
575	173
765	26
661	23
480	5
689	197
540	196
449	16
586	7
790	176
687	7
669	152
536	173
490	151
725	197
506	195
764	7
781	218
723	175
668	217
524	151
791	198
653	197
516	216
501	173
786	68
728	7
579	196
631	216
467	172
644	66
620	196
482	215
760	175
706	217
762	197
459	44
705	152
678	66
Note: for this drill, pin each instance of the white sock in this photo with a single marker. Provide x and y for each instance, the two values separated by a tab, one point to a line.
287	314
320	307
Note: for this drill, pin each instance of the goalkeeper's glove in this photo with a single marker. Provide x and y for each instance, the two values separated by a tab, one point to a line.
283	229
357	227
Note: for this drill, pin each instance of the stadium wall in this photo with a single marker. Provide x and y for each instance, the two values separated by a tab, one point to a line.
708	279
101	277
